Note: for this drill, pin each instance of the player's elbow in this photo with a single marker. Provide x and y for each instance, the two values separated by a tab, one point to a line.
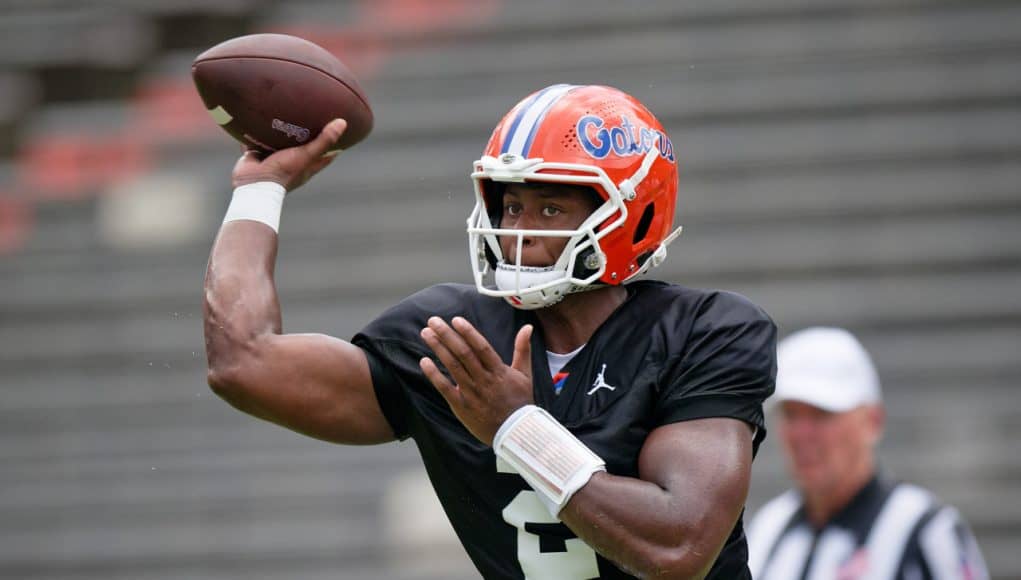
692	558
226	381
674	563
221	379
229	351
226	373
235	386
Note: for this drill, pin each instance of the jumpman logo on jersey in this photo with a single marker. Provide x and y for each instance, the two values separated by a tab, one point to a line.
600	383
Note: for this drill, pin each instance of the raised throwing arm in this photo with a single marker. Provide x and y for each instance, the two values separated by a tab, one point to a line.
311	383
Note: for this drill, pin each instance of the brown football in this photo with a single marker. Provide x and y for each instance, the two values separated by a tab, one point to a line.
272	91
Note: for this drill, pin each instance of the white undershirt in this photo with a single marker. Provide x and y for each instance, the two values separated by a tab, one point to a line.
557	361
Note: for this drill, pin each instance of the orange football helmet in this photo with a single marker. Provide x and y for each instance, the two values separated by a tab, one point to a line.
595	136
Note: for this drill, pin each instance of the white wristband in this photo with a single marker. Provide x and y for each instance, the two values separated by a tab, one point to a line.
262	202
551	459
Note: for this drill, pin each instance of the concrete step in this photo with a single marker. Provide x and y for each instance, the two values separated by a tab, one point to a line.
837	36
389	211
324	304
692	96
319	246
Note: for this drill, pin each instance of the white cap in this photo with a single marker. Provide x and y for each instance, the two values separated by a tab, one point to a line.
827	368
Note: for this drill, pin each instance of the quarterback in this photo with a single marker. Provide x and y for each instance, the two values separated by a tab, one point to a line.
576	419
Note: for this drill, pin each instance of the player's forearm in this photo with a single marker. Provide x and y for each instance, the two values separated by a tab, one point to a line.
671	521
240	296
646	530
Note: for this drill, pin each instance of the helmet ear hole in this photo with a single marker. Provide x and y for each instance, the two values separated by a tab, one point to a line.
643	224
580	269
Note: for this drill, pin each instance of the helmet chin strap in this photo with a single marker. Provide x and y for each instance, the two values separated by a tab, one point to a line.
512	277
522	279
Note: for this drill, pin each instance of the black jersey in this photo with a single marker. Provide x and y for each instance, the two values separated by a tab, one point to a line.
669	353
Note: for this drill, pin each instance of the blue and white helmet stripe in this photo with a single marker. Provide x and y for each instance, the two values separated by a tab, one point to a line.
526	123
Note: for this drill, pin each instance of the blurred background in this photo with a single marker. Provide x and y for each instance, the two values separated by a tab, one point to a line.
847	162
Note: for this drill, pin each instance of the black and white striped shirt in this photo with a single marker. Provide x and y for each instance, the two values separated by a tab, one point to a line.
888	531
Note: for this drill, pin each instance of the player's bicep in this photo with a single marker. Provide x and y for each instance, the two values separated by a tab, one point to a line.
314	384
705	464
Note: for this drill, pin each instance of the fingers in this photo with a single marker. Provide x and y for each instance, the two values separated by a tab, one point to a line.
247	152
484	391
248	157
321	163
453	351
446	388
326	139
478	343
523	350
449	360
248	169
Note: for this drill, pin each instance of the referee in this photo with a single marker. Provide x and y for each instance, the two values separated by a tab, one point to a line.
848	520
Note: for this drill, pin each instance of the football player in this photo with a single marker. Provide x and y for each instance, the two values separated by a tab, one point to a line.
576	421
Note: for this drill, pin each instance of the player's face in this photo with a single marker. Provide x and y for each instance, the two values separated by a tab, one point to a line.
542	206
824	450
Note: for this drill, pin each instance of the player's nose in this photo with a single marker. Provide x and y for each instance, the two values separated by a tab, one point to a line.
511	246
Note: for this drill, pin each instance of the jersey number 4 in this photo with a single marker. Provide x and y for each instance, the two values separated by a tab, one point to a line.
547	550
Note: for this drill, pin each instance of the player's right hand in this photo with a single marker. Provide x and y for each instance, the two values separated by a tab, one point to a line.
293	166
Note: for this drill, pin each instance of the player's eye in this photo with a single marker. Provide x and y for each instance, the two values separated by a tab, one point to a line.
512	209
551	211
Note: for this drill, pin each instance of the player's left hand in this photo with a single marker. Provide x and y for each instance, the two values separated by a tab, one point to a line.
487	391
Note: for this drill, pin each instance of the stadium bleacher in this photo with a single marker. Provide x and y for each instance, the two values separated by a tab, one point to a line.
842	162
